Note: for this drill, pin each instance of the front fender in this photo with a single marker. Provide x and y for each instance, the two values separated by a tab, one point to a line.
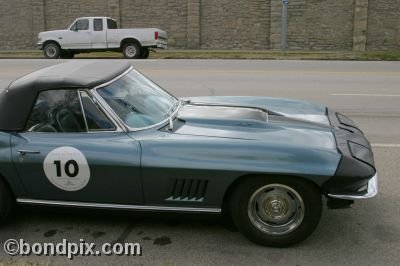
43	42
221	161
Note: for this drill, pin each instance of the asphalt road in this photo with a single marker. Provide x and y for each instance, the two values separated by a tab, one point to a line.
366	234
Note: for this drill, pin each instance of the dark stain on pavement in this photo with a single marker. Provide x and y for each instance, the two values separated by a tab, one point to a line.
146	238
162	241
98	234
124	234
386	233
50	233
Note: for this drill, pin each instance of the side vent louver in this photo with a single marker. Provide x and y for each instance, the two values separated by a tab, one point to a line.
188	190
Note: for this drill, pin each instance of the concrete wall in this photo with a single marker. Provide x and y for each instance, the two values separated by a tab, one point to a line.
244	24
357	25
320	25
169	15
383	25
16	27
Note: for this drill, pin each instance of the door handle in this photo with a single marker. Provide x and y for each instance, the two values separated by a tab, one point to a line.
23	152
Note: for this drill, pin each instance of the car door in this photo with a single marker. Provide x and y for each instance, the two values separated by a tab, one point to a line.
72	151
99	34
78	36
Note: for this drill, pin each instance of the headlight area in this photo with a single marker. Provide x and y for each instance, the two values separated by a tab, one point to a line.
351	178
361	153
356	176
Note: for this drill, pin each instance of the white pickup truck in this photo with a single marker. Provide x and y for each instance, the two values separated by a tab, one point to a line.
94	34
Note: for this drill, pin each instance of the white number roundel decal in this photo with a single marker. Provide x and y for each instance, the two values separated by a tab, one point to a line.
67	168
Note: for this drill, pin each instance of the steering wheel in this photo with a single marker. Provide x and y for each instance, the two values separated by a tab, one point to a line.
42	127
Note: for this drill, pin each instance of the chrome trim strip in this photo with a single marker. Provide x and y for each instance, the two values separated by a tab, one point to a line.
234	106
103	104
23	152
133	129
117	127
114	79
371	191
108	110
83	110
112	113
117	206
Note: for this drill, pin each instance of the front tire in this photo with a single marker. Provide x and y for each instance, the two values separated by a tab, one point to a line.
51	50
7	202
276	212
131	50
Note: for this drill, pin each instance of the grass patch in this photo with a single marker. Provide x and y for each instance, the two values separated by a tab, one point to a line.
230	54
386	56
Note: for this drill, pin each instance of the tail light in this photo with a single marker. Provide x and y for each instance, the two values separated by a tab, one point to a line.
156	35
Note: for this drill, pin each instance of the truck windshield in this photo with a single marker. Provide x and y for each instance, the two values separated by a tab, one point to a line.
111	24
138	101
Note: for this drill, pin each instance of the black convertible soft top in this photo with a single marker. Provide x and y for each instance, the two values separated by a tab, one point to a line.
17	100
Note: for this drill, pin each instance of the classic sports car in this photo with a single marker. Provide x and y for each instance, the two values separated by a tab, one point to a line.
100	135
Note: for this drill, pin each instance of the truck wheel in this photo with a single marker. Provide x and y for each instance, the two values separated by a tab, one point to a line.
145	53
51	50
65	54
276	212
131	50
7	202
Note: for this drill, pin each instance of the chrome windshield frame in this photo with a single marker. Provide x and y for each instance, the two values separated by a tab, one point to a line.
115	116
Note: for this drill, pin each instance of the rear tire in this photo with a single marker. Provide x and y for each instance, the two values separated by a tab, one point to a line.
65	54
51	50
131	50
7	202
276	212
145	53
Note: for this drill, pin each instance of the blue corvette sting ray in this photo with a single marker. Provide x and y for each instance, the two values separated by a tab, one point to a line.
99	135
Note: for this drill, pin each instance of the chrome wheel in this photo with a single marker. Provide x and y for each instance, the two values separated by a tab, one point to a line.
131	51
276	209
51	51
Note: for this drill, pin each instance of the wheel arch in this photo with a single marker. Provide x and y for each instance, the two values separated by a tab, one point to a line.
129	40
50	41
5	181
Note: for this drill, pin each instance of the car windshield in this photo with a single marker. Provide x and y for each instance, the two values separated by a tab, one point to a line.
138	101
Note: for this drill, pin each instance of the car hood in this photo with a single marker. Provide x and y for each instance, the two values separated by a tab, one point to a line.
253	123
52	32
288	107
